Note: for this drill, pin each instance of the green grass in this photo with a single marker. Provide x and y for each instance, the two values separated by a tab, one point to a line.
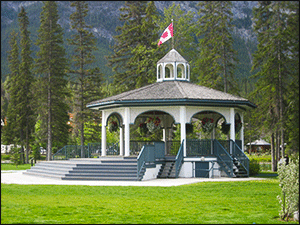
208	202
10	166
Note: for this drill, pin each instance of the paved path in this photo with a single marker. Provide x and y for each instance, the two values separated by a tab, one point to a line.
17	177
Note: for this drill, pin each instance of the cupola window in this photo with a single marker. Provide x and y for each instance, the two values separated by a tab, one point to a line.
172	67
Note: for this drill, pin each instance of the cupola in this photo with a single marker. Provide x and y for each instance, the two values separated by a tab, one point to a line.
173	67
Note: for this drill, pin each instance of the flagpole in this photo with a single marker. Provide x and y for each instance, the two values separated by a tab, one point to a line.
173	35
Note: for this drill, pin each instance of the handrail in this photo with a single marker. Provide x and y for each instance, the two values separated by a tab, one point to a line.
240	156
148	155
179	159
141	161
222	155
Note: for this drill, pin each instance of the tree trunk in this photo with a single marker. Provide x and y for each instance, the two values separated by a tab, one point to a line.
273	154
27	142
49	147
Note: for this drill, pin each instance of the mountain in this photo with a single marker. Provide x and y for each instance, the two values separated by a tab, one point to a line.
103	16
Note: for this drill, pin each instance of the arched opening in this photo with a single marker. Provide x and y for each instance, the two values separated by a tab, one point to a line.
205	127
180	71
159	72
169	71
153	126
114	125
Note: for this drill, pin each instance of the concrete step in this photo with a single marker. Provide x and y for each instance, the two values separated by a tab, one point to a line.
101	178
109	169
45	175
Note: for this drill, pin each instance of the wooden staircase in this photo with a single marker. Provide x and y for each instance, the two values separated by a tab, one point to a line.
113	169
238	170
167	169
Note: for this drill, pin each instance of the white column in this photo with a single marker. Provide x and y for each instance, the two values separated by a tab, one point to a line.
121	140
232	127
103	138
242	131
183	128
127	131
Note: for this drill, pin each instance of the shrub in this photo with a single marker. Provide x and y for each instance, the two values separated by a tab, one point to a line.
254	167
288	176
16	156
5	157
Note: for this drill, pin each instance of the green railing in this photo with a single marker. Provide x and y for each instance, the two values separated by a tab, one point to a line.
135	146
224	159
90	151
148	156
172	147
179	159
69	151
240	156
94	150
196	147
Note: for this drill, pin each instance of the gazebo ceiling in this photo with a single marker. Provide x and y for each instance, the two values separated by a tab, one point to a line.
170	93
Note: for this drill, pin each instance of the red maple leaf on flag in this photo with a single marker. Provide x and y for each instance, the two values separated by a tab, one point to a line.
164	35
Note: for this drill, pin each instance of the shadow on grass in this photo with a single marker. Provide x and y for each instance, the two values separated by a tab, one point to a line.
272	175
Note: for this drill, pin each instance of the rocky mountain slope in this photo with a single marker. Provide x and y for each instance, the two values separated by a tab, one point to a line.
104	18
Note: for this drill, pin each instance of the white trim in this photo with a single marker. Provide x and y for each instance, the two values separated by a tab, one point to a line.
103	138
127	131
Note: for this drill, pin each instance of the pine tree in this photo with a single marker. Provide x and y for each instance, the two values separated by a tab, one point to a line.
88	81
25	97
51	64
9	131
266	115
292	124
145	55
131	36
216	64
273	58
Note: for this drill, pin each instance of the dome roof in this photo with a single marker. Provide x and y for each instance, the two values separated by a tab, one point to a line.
172	56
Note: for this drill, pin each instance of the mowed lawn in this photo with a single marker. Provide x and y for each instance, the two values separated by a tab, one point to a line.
207	202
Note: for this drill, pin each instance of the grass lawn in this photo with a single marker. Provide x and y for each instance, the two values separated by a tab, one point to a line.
207	202
10	166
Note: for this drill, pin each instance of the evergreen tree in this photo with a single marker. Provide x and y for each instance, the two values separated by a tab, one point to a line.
88	81
266	115
9	131
144	59
216	63
25	97
273	59
51	64
131	36
292	124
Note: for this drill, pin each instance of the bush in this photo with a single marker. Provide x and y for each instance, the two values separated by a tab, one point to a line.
16	156
288	176
254	167
5	157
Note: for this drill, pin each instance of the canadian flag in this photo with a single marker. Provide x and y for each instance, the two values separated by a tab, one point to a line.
167	34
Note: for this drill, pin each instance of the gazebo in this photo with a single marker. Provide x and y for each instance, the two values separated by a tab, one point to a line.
173	99
258	145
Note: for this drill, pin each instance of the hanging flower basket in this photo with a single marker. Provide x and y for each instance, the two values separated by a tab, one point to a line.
189	128
207	124
225	128
153	124
143	129
113	126
238	125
